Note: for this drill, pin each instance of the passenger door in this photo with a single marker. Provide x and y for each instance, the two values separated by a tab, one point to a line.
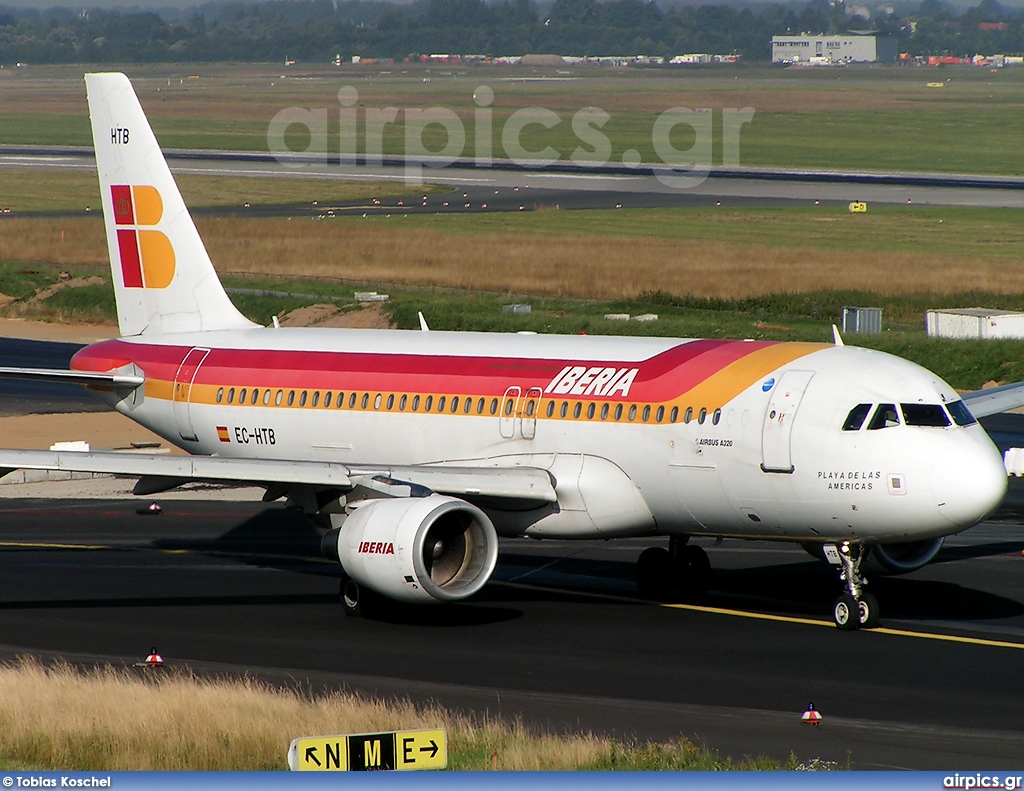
777	430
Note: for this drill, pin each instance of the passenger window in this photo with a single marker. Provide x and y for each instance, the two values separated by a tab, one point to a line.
480	406
302	398
231	396
364	402
455	404
291	397
509	404
327	399
494	406
279	397
957	410
391	402
468	406
241	395
647	414
551	408
660	415
618	412
576	410
673	416
376	401
688	415
716	416
255	396
604	412
266	396
924	415
352	401
220	395
341	400
590	411
529	407
440	404
702	415
428	404
415	403
316	398
402	402
632	412
856	417
885	417
564	410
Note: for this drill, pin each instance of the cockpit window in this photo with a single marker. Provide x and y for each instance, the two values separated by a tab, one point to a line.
856	417
924	415
960	413
884	417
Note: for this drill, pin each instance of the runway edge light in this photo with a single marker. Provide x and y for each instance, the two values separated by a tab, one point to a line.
357	752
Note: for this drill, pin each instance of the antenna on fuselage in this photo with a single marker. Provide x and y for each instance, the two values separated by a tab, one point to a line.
423	321
836	337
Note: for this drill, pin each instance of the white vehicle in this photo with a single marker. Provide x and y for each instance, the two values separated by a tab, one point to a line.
418	449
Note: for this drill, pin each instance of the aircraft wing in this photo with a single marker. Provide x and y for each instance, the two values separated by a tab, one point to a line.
983	403
156	473
86	378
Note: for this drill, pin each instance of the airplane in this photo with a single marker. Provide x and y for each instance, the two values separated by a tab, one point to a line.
416	450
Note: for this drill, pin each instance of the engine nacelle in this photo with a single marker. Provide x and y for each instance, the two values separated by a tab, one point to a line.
890	559
416	549
901	558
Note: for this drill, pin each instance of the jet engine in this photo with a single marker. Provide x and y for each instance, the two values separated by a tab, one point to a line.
416	549
890	559
901	558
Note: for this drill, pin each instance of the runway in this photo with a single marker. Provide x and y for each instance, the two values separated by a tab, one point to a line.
571	186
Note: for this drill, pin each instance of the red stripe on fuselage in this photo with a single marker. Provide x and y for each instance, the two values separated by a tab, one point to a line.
661	377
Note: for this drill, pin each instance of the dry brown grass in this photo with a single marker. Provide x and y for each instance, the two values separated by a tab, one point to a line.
557	265
113	719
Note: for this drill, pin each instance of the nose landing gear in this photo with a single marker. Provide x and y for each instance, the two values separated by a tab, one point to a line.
856	608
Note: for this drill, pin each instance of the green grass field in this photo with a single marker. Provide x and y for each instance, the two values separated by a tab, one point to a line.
875	119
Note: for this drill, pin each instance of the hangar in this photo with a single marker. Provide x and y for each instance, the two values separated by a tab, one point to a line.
845	48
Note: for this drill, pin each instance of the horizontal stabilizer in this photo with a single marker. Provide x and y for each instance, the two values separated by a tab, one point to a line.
87	378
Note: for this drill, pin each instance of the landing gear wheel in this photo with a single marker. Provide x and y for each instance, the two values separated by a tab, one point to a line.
355	599
867	610
654	574
845	612
692	572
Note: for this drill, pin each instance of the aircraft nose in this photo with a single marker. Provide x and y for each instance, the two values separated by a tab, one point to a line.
968	481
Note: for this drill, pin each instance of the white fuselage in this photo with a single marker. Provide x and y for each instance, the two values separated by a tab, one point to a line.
769	457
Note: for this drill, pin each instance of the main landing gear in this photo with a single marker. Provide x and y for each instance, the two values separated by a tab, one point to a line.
681	570
856	608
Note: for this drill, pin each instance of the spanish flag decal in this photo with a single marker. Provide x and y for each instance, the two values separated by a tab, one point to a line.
222	434
147	257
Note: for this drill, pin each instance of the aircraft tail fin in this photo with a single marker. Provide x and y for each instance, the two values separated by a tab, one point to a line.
164	281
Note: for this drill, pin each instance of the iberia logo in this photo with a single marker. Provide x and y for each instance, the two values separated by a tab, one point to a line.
147	258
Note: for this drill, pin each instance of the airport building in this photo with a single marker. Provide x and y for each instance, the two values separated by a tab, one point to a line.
825	50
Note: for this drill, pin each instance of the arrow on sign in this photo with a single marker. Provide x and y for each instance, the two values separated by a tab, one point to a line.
432	749
311	754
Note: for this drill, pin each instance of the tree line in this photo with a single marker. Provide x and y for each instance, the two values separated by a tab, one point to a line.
319	30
